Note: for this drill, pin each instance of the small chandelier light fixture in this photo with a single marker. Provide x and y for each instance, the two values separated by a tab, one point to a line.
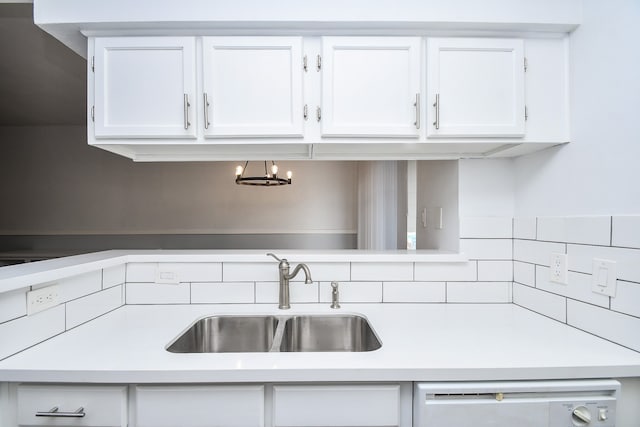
269	179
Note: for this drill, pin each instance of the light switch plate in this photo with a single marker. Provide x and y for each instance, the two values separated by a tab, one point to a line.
604	277
558	269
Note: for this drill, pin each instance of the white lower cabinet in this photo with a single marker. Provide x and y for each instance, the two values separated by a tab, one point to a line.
207	405
199	406
72	405
341	405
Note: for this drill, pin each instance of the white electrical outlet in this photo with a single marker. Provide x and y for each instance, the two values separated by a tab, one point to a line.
41	299
167	277
558	269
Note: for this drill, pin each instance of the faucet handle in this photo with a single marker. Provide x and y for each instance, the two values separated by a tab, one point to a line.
277	259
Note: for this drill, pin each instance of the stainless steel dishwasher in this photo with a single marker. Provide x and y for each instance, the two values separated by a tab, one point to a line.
571	403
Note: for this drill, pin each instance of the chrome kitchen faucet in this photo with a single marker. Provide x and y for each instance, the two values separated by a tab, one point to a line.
283	297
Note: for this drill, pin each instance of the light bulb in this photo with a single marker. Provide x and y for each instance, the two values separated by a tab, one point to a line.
238	170
274	169
289	174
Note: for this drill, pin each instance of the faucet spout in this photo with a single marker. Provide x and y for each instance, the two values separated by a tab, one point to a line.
307	273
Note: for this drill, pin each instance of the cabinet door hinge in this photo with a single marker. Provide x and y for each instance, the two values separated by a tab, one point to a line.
304	63
93	113
526	64
305	112
526	113
93	64
318	113
319	63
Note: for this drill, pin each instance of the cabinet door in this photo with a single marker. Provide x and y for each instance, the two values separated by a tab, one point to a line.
199	406
370	86
252	86
475	87
145	87
336	405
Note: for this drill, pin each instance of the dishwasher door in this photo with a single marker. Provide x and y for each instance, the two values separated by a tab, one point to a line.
516	404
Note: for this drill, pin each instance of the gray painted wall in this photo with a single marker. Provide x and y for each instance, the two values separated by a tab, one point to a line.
53	183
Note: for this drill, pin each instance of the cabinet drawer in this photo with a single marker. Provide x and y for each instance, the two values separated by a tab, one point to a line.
103	406
199	406
336	405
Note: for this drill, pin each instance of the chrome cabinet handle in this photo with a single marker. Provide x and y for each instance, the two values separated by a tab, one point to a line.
437	105
417	105
206	111
54	413
186	111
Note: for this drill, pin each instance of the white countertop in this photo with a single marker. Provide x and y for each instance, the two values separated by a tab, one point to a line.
420	342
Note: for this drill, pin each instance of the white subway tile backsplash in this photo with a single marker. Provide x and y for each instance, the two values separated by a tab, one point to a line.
616	327
552	229
495	271
328	271
542	302
535	252
524	228
579	287
13	304
627	260
626	231
153	293
415	292
26	331
353	292
451	272
382	271
479	292
299	292
487	248
222	292
486	227
114	276
76	286
86	308
627	299
590	230
251	272
524	273
140	272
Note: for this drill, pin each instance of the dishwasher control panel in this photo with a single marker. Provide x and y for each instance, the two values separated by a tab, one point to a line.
567	403
578	413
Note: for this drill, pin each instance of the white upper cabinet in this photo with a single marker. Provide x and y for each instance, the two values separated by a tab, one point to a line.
145	87
475	87
370	86
252	87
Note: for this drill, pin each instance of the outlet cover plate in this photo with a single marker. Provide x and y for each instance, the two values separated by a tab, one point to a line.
558	269
167	277
41	299
604	277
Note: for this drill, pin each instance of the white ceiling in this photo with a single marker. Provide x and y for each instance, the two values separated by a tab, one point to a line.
42	82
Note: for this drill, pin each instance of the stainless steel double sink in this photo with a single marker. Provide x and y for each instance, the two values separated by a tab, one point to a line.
297	333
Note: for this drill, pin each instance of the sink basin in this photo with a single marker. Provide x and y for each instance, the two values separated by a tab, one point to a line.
227	334
329	333
251	334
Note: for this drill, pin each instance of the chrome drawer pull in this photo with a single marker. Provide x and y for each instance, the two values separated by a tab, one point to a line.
53	412
186	111
437	106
